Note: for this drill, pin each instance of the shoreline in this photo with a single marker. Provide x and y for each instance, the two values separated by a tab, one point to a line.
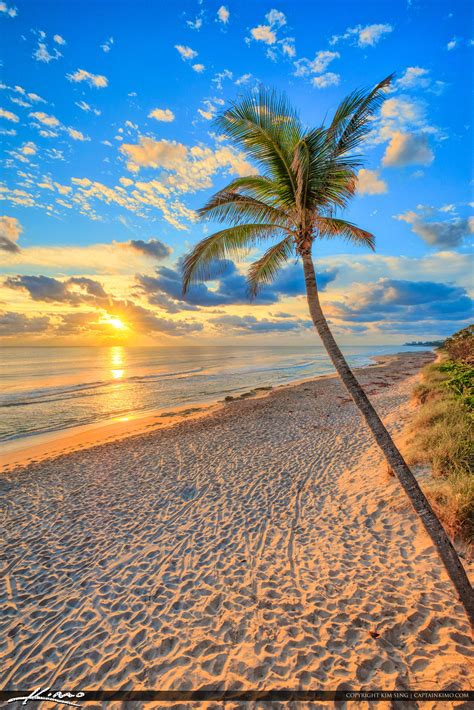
39	447
262	545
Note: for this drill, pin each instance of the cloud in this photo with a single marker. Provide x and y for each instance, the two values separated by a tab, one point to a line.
268	34
367	36
153	248
452	44
149	153
10	11
12	324
445	234
45	118
107	46
84	106
42	54
325	80
9	116
59	40
393	304
369	183
97	81
186	52
193	167
77	135
263	33
162	114
408	149
419	78
74	291
229	285
318	65
223	14
10	230
250	324
198	68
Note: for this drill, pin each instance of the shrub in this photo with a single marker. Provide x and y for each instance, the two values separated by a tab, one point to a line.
460	346
441	435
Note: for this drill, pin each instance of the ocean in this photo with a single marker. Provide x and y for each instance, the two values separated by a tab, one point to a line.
48	389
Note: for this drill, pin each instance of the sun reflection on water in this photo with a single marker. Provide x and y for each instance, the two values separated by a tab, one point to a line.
117	362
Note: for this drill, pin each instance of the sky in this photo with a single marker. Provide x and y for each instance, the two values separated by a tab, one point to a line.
109	147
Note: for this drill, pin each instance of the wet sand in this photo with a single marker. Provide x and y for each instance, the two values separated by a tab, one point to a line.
262	545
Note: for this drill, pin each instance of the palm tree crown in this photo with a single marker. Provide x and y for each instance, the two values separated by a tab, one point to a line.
305	176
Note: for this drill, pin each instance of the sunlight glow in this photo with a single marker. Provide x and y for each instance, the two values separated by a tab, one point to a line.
116	323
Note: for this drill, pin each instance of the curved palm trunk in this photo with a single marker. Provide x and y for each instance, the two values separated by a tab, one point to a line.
394	458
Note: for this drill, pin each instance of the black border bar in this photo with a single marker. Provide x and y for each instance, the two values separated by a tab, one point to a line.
77	698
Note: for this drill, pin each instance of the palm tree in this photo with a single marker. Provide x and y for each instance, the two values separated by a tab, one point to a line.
305	176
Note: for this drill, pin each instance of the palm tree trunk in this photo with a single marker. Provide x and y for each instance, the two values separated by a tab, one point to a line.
394	458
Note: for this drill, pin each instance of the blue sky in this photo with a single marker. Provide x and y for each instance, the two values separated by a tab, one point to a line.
109	147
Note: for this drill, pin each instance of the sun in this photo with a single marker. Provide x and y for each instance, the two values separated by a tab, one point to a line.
115	322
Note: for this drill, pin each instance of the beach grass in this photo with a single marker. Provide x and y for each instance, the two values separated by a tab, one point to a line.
441	436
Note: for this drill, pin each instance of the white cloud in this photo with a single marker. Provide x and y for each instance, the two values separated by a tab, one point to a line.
449	233
84	106
419	78
195	24
408	149
107	46
186	52
243	79
452	44
413	78
367	36
162	114
10	230
77	135
42	54
275	18
369	183
325	80
10	11
223	14
59	40
199	68
263	33
45	119
29	148
9	115
267	33
96	80
322	59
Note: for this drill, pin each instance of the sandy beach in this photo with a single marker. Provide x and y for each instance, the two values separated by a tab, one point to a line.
263	545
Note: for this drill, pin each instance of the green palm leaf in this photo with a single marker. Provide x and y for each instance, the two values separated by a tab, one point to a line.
332	227
203	261
265	269
236	208
265	125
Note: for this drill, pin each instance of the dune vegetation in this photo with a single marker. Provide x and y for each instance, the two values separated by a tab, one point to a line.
442	434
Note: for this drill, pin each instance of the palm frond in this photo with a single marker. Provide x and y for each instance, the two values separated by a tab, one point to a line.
200	263
350	123
265	269
332	227
264	188
236	209
265	125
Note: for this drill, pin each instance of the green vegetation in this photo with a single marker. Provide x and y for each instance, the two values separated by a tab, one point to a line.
441	434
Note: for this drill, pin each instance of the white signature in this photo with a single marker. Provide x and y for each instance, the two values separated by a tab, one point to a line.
58	696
